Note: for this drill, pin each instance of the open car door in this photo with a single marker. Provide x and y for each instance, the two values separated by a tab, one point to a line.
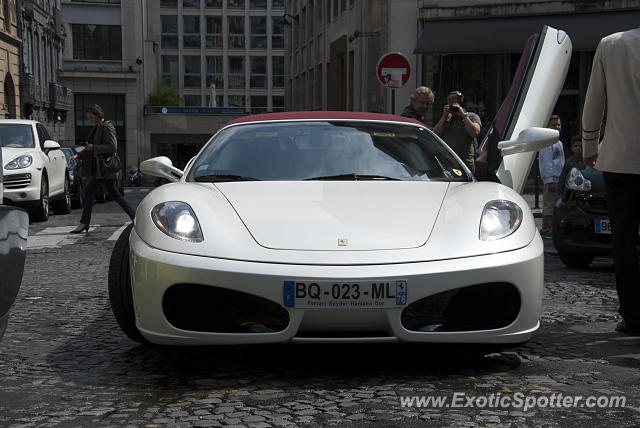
507	153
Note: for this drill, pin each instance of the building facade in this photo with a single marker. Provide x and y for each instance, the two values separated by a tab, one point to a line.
333	47
103	64
225	58
43	98
483	40
9	61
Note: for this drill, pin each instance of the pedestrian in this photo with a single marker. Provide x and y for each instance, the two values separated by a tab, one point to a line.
574	161
550	163
102	140
421	99
615	84
459	128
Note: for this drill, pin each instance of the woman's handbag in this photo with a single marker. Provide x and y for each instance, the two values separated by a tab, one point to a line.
109	162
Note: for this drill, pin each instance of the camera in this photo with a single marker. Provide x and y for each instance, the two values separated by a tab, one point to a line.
453	109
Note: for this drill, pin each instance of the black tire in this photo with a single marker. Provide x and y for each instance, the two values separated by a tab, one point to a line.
120	288
574	260
63	206
41	211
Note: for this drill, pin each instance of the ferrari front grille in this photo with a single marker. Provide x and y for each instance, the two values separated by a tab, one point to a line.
196	307
477	307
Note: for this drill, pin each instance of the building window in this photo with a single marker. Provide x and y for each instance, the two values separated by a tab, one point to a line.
170	71
278	71
102	42
214	71
335	8
328	11
258	104
192	100
236	100
191	71
258	4
236	32
258	72
213	4
169	4
278	103
235	4
258	32
343	5
236	72
214	32
191	29
277	37
277	4
191	4
169	31
352	3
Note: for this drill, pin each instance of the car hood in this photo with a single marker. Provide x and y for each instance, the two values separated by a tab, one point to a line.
439	220
358	215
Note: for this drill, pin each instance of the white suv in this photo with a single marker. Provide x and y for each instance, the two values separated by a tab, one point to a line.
34	169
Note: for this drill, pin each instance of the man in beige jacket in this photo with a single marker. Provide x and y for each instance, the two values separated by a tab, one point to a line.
615	82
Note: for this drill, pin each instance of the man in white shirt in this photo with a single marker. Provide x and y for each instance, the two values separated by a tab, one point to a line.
550	163
615	83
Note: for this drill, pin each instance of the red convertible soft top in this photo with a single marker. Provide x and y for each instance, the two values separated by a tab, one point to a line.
320	115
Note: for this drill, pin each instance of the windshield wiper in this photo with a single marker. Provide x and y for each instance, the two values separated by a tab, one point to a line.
352	176
217	178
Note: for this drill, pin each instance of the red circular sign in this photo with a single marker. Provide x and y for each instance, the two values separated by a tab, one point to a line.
393	70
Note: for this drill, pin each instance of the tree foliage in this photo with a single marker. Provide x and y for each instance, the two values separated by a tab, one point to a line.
164	95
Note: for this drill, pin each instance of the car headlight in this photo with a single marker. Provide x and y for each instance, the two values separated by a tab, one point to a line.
576	181
23	161
500	218
177	220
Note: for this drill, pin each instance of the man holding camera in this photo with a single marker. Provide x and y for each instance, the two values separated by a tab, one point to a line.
459	128
421	99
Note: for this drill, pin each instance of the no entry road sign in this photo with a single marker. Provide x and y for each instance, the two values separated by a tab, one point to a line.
393	70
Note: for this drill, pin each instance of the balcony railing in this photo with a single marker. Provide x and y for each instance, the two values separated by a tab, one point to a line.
31	92
60	96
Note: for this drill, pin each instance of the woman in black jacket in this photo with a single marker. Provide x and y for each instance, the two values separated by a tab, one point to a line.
102	140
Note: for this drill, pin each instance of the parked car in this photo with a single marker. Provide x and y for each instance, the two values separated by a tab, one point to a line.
76	184
35	169
335	226
14	228
581	228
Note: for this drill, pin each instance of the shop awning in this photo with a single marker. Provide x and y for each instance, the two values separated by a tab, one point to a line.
505	35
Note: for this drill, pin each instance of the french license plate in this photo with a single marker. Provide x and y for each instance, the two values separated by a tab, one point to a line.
602	226
345	294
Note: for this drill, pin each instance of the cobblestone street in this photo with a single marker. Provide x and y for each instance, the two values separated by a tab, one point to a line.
65	362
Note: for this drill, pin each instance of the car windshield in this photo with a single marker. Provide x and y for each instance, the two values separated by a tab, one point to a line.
16	135
331	150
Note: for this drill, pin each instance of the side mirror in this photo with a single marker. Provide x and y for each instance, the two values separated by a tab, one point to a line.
529	140
50	145
161	166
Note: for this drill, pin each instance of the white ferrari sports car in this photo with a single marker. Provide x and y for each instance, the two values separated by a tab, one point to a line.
343	226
